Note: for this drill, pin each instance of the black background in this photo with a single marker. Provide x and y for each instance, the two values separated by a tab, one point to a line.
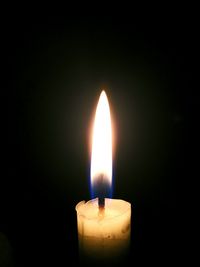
56	68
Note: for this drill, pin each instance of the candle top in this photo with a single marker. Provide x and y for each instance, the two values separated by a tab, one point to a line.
114	208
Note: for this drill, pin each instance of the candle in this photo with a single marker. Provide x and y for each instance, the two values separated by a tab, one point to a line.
103	223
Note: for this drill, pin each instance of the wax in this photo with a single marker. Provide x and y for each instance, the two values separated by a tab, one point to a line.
104	236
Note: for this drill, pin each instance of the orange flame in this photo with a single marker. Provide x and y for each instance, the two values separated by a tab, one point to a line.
101	159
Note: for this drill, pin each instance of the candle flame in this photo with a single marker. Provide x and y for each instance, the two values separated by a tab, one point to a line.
101	159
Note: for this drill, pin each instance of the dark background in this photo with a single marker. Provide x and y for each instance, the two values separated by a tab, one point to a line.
55	70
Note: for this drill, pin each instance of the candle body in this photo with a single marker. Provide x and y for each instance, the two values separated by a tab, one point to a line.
104	236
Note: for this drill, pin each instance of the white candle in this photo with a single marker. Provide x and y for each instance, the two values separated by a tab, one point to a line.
106	237
103	223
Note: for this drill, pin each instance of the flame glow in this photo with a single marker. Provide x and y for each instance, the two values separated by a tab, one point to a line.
101	160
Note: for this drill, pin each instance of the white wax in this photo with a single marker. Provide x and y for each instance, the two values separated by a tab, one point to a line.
106	235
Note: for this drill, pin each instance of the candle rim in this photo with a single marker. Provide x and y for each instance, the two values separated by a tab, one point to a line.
96	199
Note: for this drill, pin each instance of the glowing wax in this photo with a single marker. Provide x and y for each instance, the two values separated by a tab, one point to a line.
106	236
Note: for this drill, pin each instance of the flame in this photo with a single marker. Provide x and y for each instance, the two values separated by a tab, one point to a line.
101	159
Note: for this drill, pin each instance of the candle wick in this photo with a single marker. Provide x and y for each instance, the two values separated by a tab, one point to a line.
101	212
101	204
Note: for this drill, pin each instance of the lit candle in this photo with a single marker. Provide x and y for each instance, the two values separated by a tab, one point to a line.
103	223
